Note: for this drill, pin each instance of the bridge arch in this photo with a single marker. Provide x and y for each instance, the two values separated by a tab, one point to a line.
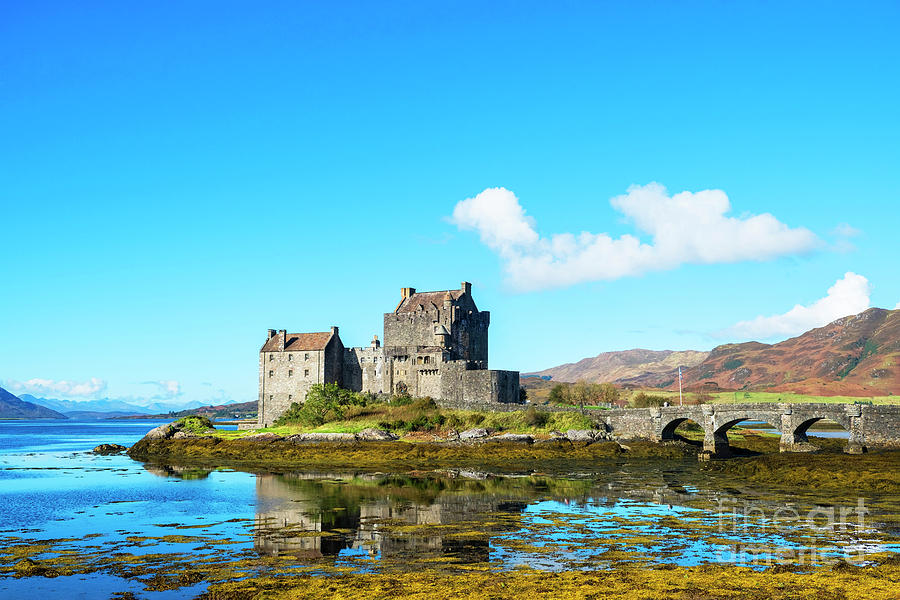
718	441
668	430
796	440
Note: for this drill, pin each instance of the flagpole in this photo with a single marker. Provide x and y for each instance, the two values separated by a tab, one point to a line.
680	401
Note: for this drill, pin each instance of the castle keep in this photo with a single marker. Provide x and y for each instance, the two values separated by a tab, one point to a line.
435	344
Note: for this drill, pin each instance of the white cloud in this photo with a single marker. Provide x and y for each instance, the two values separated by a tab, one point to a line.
685	228
168	388
845	230
848	296
68	389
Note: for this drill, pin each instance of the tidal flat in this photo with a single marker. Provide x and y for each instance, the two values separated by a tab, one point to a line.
385	520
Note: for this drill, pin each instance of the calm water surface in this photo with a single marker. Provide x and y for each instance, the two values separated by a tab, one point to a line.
52	488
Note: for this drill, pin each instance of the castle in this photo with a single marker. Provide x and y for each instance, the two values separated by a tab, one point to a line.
435	344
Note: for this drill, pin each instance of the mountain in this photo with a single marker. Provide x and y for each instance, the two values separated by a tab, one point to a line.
12	407
858	355
107	405
613	366
102	405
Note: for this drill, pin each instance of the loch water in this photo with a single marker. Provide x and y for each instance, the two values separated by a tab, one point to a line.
53	491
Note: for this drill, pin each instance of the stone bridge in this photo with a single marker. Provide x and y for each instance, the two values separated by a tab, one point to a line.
868	425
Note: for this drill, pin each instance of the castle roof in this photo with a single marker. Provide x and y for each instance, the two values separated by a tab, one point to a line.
299	342
426	299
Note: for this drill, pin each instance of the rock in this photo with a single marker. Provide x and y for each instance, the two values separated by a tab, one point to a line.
163	432
105	449
580	435
518	438
28	567
556	440
375	435
473	434
183	435
301	438
265	437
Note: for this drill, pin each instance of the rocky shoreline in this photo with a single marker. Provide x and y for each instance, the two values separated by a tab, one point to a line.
374	448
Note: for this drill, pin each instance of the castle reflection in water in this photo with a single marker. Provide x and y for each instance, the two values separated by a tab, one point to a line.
314	516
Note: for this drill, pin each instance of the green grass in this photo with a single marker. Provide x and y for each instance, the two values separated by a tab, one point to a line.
418	417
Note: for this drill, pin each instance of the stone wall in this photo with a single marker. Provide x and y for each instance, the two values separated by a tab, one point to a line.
364	369
460	386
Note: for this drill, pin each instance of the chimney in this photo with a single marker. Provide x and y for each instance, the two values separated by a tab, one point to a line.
466	287
406	293
375	342
334	330
271	334
282	333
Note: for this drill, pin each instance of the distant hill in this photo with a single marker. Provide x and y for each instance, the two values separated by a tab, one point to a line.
858	355
614	366
239	410
12	407
91	415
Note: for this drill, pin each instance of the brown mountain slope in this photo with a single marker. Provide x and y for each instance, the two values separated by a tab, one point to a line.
612	366
857	355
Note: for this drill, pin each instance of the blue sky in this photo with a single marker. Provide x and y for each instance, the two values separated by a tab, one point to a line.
175	178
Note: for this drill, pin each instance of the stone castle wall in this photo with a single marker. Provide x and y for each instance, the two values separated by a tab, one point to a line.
363	369
286	376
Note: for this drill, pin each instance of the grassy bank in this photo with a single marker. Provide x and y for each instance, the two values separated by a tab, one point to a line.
407	418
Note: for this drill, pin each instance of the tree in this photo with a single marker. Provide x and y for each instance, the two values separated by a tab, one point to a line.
323	403
608	393
559	394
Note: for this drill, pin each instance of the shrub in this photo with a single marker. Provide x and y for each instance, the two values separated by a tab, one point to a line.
454	421
323	403
194	423
535	418
401	399
476	419
643	400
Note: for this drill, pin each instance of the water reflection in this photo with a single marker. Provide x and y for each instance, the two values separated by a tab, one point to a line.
386	517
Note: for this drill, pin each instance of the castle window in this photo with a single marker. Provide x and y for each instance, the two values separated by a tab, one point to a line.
290	397
290	372
290	357
271	396
306	357
306	372
271	373
271	357
426	360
